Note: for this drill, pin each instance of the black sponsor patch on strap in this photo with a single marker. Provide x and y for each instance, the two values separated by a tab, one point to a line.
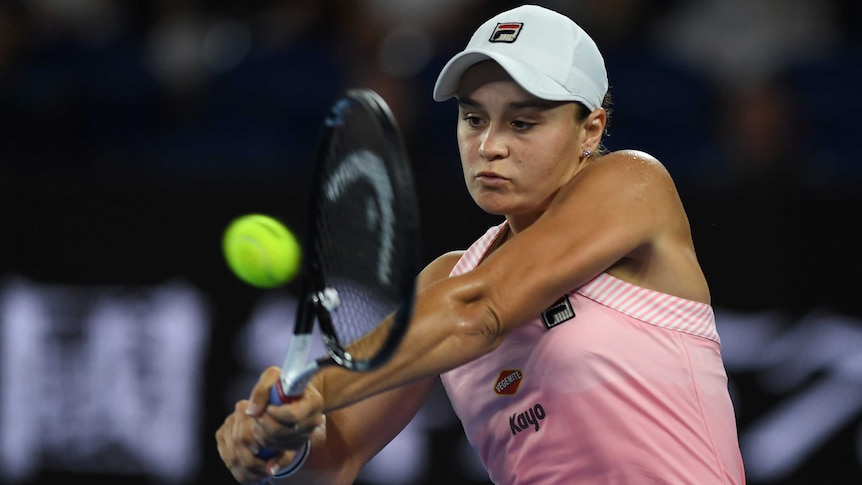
558	313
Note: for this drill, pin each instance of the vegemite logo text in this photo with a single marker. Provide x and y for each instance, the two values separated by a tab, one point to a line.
508	382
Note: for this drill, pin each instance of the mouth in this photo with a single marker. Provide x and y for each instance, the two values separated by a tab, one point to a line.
491	178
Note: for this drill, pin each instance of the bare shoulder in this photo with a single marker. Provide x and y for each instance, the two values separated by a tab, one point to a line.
632	163
642	202
625	176
439	268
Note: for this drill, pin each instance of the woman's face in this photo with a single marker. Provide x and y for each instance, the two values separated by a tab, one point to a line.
516	149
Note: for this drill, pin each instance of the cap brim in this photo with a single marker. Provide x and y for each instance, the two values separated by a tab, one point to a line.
527	77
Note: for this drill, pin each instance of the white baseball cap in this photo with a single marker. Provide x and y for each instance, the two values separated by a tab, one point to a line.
545	52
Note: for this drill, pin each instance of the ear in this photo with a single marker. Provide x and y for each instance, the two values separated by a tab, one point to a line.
594	128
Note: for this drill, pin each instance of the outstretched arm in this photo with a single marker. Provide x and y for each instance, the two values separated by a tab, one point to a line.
342	440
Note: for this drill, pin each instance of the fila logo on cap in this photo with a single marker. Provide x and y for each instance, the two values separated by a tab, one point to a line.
507	32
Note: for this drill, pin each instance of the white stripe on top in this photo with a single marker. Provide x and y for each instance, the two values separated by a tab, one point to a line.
649	306
653	307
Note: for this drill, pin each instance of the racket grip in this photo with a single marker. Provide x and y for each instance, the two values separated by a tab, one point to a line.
276	396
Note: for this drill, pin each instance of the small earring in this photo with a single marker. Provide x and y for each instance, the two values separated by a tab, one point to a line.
587	153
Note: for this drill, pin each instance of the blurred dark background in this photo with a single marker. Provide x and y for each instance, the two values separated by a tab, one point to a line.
132	132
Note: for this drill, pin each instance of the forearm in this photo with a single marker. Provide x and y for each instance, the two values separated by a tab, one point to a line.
447	330
351	436
329	461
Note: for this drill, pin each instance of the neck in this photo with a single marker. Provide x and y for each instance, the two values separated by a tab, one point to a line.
517	224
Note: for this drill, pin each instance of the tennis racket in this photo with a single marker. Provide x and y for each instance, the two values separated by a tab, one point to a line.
361	252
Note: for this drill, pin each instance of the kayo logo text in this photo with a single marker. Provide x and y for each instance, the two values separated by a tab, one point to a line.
528	419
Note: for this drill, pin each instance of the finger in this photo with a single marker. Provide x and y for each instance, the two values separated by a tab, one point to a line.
290	425
242	464
259	398
286	460
305	412
250	439
243	436
277	435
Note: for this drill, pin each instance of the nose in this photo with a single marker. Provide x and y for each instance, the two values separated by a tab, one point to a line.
493	145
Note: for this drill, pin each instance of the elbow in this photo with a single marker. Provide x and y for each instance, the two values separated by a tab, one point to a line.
481	328
464	320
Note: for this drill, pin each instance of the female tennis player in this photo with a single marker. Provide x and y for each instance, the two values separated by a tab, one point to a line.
576	339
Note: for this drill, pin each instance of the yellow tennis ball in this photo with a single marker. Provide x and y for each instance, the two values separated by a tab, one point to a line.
261	251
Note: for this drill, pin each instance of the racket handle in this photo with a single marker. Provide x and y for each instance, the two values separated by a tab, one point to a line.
276	396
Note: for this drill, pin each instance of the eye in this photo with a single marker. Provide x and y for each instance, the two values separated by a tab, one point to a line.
521	125
473	120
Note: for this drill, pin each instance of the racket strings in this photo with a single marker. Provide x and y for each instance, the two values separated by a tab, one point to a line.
360	211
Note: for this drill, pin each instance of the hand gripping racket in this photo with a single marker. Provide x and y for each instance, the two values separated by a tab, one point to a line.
361	248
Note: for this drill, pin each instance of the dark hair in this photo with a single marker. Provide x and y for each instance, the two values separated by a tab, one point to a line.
583	112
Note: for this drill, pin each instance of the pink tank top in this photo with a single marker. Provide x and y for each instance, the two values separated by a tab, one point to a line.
613	384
